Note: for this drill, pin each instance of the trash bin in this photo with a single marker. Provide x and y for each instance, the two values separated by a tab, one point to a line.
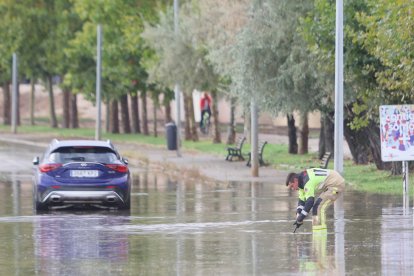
171	133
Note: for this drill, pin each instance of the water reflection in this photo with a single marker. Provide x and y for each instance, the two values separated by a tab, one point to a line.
397	242
316	254
66	242
193	228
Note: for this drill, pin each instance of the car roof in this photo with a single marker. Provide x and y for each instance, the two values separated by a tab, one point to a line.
54	144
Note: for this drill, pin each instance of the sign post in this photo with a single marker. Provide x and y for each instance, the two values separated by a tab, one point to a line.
397	140
406	194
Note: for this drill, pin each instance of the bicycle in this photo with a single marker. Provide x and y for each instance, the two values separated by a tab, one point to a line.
205	124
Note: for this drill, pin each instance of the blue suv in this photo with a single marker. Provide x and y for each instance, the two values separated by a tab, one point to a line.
81	172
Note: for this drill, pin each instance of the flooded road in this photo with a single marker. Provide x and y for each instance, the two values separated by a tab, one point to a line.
190	228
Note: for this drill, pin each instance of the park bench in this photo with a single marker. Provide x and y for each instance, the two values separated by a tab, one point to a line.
237	150
325	160
260	150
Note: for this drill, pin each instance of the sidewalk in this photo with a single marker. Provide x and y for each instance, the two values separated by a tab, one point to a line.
195	164
189	164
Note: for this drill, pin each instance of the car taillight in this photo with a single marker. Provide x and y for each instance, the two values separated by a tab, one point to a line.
49	167
118	168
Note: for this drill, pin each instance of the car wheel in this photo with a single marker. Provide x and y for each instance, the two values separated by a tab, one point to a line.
126	205
38	206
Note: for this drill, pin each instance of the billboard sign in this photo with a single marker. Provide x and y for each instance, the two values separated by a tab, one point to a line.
397	132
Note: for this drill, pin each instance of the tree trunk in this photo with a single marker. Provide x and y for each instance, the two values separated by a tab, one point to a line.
358	150
53	119
136	128
217	134
125	114
74	119
374	143
6	104
167	107
108	115
231	132
356	139
293	144
329	128
193	124
32	101
66	108
187	122
144	113
365	146
364	143
114	118
247	125
322	144
396	168
304	134
155	121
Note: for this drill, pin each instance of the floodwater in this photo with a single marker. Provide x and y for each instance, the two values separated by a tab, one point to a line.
194	228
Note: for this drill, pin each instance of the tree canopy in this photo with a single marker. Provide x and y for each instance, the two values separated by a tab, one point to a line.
281	53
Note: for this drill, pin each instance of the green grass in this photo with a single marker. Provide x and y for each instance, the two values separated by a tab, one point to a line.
364	178
58	132
368	179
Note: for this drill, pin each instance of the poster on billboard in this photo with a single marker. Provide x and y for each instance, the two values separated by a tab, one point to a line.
397	132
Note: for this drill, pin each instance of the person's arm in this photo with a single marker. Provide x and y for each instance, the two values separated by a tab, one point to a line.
309	196
305	211
301	202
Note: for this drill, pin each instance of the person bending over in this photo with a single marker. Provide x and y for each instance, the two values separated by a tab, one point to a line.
317	189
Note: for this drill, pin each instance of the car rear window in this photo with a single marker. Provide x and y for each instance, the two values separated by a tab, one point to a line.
83	154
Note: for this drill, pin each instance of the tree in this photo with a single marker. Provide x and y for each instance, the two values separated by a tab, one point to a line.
268	60
221	21
231	137
180	57
51	21
38	31
11	37
364	91
388	36
122	70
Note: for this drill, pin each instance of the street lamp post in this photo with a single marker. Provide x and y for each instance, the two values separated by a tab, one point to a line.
98	83
339	133
339	89
177	86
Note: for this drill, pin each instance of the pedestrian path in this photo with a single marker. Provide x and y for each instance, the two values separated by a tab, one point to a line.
214	167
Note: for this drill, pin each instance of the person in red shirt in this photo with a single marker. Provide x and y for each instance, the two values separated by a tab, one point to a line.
205	107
